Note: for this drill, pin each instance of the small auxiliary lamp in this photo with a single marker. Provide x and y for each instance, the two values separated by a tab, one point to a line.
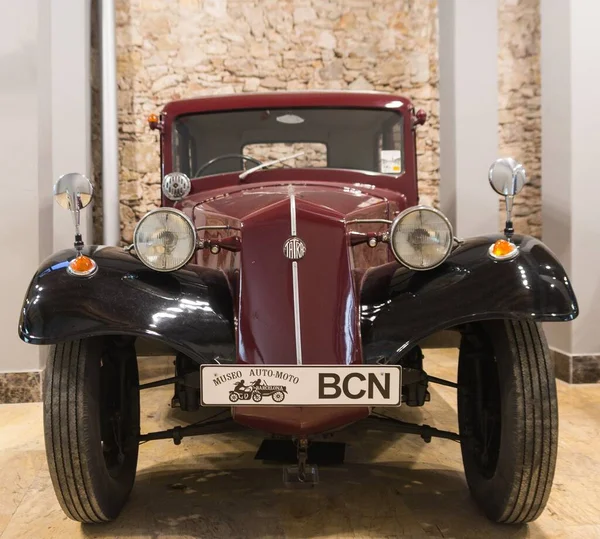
154	122
420	117
74	192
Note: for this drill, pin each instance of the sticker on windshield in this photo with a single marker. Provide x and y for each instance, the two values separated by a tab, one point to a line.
390	161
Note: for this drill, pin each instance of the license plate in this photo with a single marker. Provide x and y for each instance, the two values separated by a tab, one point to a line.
306	385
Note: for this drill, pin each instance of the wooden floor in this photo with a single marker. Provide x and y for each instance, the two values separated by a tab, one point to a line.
391	485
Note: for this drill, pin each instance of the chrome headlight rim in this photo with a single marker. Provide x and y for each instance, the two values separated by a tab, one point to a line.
177	212
398	219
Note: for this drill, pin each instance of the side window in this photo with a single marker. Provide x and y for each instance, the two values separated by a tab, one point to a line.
176	150
389	148
315	153
184	154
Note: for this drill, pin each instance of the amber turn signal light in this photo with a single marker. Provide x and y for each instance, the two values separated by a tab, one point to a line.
503	250
82	266
153	121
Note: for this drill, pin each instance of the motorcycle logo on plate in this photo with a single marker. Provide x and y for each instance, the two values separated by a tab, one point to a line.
256	391
294	248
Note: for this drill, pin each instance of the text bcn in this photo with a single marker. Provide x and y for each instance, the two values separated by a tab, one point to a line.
331	385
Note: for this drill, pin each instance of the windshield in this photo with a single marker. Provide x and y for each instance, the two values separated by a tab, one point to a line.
359	139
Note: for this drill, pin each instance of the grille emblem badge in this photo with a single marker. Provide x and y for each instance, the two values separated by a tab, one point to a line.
294	248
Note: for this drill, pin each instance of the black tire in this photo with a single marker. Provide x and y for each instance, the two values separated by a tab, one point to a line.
92	454
508	413
256	396
233	397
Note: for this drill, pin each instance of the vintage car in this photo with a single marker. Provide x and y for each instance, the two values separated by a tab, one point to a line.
294	274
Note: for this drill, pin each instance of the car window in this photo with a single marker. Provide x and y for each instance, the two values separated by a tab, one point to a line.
314	153
359	139
389	150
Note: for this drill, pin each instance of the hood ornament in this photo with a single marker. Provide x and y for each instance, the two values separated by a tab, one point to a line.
294	248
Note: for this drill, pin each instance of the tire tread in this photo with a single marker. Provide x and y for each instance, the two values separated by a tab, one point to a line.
539	454
533	447
67	415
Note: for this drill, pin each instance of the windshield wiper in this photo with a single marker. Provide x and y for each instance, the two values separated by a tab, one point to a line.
268	164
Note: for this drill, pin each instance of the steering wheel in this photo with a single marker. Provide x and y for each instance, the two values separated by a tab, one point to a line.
226	156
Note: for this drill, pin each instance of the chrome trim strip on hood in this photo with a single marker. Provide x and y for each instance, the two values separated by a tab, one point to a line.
297	313
295	287
293	213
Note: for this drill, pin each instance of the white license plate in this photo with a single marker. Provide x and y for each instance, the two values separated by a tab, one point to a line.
306	385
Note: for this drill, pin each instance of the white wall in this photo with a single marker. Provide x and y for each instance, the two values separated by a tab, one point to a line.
585	142
44	96
556	143
570	143
19	157
468	52
70	105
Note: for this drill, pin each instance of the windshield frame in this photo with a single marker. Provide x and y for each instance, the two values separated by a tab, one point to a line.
402	120
403	183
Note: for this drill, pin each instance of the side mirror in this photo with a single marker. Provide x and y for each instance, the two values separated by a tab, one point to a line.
74	192
507	177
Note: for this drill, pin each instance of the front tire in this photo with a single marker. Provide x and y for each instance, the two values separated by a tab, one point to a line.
91	426
508	415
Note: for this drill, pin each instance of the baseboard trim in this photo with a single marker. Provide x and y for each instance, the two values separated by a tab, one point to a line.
18	387
576	369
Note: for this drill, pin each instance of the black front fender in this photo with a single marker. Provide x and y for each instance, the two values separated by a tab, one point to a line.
399	307
191	309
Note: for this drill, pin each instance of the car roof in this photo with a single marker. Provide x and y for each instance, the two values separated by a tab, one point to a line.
302	99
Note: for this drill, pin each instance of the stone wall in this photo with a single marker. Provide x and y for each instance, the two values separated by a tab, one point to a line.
171	50
520	128
177	49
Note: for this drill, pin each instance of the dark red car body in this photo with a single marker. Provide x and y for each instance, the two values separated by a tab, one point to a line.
330	274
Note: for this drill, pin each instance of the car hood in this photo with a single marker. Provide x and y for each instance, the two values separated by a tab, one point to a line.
336	199
297	307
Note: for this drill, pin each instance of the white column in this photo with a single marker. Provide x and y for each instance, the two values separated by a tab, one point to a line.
19	157
110	127
570	169
70	107
468	52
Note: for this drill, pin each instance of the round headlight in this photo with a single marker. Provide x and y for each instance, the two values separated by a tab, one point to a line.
165	239
421	238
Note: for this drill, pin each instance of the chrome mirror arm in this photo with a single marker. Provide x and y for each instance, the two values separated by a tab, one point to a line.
509	229
74	192
76	213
